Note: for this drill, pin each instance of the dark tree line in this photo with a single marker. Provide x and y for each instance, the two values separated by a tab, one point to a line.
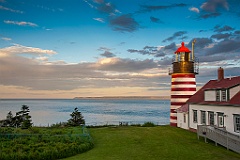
21	119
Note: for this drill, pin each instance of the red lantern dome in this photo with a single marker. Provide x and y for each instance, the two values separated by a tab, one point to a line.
182	49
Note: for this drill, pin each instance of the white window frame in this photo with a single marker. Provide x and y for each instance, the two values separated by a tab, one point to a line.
220	119
211	118
236	122
224	95
218	95
195	117
203	117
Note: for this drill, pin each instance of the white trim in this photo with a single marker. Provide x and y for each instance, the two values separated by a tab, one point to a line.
179	99
173	114
184	86
183	92
183	79
173	121
175	106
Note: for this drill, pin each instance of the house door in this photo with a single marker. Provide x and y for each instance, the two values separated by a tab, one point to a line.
220	120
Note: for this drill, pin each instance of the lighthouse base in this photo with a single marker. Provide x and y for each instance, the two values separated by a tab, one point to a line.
182	88
173	124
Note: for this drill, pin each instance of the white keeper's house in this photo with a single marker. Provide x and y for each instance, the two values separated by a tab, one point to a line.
216	104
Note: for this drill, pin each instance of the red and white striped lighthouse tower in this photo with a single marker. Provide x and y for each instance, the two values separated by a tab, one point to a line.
183	85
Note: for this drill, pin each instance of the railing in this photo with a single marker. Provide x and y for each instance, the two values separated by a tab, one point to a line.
195	66
219	136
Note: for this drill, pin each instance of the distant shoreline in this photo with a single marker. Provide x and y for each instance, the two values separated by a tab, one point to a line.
126	97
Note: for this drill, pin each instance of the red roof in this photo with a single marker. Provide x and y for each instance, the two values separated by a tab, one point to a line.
183	108
182	49
198	97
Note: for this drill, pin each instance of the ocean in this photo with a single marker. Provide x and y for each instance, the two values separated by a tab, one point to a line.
45	112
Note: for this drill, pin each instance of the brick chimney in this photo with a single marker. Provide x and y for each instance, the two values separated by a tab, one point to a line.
220	73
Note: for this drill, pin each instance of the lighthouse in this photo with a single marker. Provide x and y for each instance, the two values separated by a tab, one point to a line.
183	82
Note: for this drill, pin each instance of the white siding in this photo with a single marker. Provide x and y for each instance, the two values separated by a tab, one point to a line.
233	91
180	120
227	110
210	95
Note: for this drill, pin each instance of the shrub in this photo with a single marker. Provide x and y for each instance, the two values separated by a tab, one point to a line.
43	146
148	124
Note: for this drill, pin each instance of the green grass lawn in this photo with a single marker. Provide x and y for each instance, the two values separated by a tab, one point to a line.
161	143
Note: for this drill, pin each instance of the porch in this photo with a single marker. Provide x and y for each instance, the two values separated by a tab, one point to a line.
219	136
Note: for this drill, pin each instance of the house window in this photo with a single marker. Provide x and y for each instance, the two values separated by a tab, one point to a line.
224	95
236	121
211	118
217	95
195	116
220	119
203	117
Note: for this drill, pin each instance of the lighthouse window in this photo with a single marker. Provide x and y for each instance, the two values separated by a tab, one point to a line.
195	116
182	56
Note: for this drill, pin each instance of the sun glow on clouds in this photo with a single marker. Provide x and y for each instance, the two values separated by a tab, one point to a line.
19	49
25	92
108	61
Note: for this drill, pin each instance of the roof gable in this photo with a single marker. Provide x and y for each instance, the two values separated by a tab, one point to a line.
224	83
198	97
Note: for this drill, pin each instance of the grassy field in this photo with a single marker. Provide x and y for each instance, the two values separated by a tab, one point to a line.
160	143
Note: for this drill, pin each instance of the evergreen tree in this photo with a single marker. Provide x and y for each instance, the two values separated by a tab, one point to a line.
76	118
25	117
22	118
9	120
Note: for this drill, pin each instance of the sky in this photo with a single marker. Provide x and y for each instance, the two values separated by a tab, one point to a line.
84	48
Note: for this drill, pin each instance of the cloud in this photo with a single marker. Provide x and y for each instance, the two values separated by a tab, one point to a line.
201	43
155	20
19	49
224	46
213	5
194	9
106	72
22	23
108	54
221	36
171	46
209	15
86	1
125	65
237	32
124	23
149	8
175	35
148	50
106	8
99	20
9	9
99	1
6	39
225	28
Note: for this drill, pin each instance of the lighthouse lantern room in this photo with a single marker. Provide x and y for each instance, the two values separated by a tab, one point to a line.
183	82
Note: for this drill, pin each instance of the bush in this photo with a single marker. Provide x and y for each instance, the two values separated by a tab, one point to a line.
148	124
50	145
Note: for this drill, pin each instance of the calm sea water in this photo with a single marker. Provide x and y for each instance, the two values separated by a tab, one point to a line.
95	111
